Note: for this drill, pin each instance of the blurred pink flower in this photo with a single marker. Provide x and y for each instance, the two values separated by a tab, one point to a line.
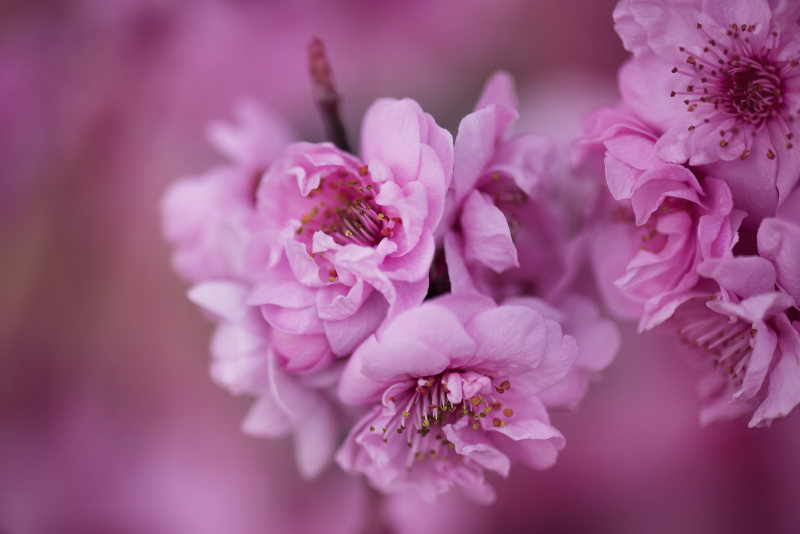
454	388
734	66
210	219
247	362
663	224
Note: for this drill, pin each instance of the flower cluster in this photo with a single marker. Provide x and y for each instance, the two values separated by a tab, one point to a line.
415	312
703	210
418	298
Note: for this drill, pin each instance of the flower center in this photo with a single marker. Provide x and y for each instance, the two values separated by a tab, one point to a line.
743	88
751	90
729	339
344	207
444	399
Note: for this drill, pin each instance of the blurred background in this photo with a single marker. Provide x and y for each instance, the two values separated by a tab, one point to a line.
109	422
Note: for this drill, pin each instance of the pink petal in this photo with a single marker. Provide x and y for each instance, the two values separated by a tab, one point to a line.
266	418
508	336
390	132
346	334
471	445
487	237
760	360
224	299
474	146
499	91
338	301
457	270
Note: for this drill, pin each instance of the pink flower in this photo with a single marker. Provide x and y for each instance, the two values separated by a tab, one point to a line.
452	388
210	218
733	65
345	241
494	175
750	336
246	362
663	224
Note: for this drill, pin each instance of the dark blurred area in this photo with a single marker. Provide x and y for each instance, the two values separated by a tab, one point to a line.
109	422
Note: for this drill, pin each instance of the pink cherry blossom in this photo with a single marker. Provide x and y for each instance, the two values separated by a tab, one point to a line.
750	339
662	223
734	67
452	388
494	176
344	241
509	231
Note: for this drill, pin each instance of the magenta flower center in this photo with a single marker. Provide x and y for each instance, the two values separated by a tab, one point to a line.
751	90
729	339
441	400
344	207
737	88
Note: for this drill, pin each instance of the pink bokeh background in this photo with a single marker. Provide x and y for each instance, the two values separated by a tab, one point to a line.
109	422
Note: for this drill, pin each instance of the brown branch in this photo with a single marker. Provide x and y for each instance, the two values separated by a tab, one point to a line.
325	95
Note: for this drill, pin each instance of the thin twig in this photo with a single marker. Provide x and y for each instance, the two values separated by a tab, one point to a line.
325	95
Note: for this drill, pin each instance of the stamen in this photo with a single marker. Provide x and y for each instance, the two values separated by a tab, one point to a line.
729	339
427	405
